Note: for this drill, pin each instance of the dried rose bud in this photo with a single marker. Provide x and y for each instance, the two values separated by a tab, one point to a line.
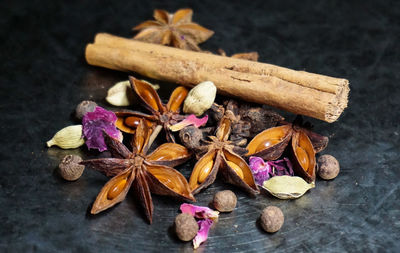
70	169
225	201
328	167
84	107
186	227
272	219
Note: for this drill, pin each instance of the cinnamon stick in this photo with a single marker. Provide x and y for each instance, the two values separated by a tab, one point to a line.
300	92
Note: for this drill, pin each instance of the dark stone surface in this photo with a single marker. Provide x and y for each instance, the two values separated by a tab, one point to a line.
44	76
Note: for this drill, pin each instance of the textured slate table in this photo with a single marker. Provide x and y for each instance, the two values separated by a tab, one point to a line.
44	76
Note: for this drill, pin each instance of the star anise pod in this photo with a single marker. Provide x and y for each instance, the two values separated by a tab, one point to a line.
162	116
176	30
146	173
302	145
220	157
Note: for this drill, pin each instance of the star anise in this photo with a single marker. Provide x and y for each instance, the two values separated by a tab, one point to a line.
176	30
220	157
162	116
302	145
146	173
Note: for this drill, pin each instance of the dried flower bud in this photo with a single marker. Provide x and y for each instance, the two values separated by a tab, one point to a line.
272	219
84	107
328	167
200	98
68	137
186	227
70	169
225	201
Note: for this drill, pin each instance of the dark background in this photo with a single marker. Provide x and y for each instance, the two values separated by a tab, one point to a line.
44	76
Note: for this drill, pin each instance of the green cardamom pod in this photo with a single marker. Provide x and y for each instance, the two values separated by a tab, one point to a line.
287	187
68	137
200	98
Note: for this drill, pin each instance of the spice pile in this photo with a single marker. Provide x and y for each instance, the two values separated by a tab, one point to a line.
245	144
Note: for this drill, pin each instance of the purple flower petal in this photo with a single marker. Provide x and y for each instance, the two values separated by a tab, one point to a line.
200	212
282	167
262	171
204	228
93	125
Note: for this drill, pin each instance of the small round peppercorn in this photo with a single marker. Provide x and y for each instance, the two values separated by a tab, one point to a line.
328	167
225	201
191	137
84	107
272	219
186	227
70	169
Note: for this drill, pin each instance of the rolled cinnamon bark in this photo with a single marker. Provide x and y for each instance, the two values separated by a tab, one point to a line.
300	92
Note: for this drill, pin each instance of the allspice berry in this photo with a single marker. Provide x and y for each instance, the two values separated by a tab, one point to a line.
186	227
225	201
328	167
272	219
84	107
70	169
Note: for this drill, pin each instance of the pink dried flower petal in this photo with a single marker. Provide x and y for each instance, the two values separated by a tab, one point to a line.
200	212
202	235
257	164
262	171
189	120
94	123
282	167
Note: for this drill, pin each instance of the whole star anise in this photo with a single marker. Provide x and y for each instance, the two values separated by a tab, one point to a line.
176	30
220	157
301	143
146	173
162	116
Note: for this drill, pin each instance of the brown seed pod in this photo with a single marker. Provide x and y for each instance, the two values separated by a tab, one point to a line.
272	219
70	169
225	201
328	167
303	156
270	143
221	158
84	107
186	227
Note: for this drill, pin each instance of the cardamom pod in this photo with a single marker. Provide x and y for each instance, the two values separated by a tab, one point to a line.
287	187
200	98
68	137
121	94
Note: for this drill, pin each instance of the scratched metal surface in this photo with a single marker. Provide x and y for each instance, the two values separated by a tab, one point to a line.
43	76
